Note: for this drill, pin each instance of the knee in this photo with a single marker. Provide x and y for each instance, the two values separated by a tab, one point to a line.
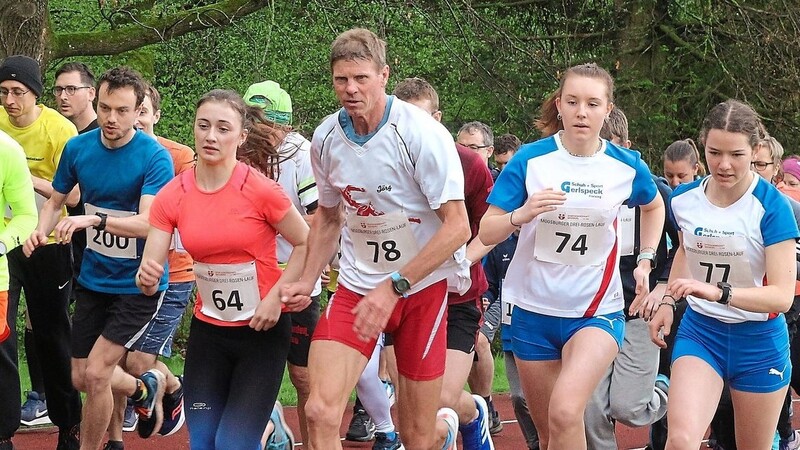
96	378
138	366
678	440
415	439
321	414
78	381
565	418
448	398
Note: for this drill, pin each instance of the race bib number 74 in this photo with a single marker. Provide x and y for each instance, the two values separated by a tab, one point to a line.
573	236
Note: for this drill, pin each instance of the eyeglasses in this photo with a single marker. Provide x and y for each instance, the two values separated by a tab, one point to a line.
71	90
16	92
475	147
761	165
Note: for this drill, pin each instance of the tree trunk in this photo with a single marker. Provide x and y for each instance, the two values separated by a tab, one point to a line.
24	29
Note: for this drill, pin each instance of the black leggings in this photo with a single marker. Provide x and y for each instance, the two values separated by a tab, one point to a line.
232	379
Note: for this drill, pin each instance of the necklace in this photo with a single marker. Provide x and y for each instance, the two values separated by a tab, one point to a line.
596	151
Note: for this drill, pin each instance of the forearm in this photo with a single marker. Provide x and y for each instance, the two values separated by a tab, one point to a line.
131	227
652	225
496	227
476	250
294	267
763	299
323	242
48	217
451	235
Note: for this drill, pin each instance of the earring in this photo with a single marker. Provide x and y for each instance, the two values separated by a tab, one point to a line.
558	116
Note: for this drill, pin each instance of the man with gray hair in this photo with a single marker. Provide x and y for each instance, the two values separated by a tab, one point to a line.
480	139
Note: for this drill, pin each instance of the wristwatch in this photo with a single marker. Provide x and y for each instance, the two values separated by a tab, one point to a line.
103	217
726	293
400	284
649	256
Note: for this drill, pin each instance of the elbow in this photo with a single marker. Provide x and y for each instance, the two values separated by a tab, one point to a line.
786	302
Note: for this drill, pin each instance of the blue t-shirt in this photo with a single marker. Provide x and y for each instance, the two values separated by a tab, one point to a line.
113	180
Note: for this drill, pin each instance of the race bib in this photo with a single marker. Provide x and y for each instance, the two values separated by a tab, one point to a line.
106	243
229	291
506	309
573	236
714	259
627	230
383	244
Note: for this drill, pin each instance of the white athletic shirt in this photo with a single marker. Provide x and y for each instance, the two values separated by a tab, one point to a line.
727	244
297	179
389	185
567	261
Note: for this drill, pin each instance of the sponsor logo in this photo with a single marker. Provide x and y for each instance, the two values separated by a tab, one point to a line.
588	189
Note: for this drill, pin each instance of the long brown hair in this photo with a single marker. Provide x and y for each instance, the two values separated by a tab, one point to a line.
261	149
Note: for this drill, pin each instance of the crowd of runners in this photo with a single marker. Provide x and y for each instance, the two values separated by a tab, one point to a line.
617	289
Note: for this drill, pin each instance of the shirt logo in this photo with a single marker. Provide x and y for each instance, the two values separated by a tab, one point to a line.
588	189
384	187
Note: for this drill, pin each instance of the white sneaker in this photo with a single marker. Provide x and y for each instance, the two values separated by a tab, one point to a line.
451	419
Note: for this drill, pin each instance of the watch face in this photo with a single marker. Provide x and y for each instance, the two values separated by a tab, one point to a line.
401	285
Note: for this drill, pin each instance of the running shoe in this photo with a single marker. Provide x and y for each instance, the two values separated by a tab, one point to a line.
387	441
495	424
6	444
475	435
792	443
451	419
114	445
174	416
390	391
69	439
150	409
662	384
131	419
362	428
282	437
34	411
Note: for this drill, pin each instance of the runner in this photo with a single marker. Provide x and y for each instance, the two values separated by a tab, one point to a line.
398	205
463	310
295	175
239	338
565	191
736	231
157	338
682	163
110	314
46	277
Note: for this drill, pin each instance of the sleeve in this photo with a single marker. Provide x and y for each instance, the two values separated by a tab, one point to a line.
509	192
184	159
65	178
328	195
18	193
66	132
643	190
437	167
159	172
274	201
163	211
478	184
778	223
306	184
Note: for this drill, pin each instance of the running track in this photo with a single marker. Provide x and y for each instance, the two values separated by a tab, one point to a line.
508	439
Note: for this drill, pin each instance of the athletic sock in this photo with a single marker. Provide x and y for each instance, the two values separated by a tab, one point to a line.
141	391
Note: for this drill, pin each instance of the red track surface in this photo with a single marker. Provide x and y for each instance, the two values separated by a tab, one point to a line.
508	439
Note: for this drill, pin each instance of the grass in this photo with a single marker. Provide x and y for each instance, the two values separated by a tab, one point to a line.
287	394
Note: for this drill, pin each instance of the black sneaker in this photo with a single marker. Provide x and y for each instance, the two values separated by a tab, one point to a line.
114	445
362	428
173	411
69	439
150	409
495	425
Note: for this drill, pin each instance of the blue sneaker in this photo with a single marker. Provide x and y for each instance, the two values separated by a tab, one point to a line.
131	419
475	435
150	409
281	438
34	411
174	416
662	384
387	441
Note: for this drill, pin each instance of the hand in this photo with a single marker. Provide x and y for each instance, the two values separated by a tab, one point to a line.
485	303
543	201
325	277
267	313
37	239
296	295
148	278
646	307
373	311
660	325
70	224
683	287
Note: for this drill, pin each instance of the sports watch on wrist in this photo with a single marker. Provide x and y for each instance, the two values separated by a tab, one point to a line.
651	256
400	284
726	293
103	217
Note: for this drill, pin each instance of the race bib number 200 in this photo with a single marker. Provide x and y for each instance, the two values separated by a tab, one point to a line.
106	243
